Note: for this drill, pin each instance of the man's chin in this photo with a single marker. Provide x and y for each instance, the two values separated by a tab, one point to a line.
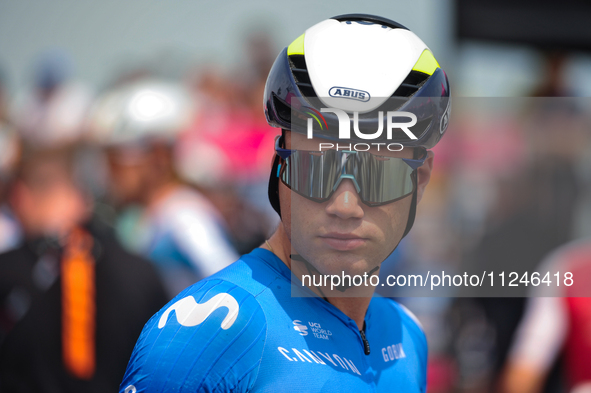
341	263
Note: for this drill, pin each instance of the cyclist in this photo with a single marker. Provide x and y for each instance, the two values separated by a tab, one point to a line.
254	326
10	231
177	227
69	317
557	320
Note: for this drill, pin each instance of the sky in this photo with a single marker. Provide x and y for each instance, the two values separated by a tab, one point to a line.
102	37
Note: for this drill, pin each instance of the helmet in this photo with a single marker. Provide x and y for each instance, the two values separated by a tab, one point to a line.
140	112
370	57
380	63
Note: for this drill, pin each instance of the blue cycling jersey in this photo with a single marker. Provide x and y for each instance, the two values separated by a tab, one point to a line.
241	330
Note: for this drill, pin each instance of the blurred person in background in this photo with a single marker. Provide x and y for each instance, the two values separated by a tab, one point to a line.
557	322
173	224
57	105
534	213
230	120
72	300
10	231
551	346
9	149
206	155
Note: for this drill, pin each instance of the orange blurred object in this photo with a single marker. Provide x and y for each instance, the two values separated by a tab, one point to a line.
78	305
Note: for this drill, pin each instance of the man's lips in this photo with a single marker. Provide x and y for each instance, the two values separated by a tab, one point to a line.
343	241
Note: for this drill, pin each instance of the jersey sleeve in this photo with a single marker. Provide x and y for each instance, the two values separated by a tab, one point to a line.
209	338
419	339
199	235
545	320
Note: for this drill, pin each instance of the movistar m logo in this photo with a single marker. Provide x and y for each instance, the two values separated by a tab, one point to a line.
190	313
352	94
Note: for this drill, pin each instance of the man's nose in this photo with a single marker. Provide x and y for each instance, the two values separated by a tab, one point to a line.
345	202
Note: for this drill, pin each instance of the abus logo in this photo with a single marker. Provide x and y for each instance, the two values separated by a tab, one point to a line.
345	92
190	313
345	124
303	329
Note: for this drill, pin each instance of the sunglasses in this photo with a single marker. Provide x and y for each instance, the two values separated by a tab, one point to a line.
317	174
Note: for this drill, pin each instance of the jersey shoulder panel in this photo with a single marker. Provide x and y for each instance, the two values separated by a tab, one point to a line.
409	320
409	332
254	272
208	338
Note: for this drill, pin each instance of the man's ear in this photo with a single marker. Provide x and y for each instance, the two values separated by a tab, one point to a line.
424	175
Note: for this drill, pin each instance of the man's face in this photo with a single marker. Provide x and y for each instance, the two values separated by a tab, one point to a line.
128	170
47	200
343	233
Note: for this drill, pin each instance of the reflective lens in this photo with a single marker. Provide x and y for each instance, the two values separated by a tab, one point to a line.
378	179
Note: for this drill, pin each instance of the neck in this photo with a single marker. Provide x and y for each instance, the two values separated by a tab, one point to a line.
354	307
160	193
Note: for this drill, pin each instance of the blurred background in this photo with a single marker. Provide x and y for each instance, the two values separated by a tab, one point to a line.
140	124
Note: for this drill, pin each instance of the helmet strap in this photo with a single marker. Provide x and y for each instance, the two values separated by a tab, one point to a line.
413	208
273	190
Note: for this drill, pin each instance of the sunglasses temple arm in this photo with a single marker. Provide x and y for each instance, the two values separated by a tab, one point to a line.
281	152
414	164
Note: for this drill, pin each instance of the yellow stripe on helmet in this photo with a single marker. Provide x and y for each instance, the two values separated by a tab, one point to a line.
426	63
297	46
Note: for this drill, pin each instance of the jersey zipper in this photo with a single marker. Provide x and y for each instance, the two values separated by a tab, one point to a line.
365	342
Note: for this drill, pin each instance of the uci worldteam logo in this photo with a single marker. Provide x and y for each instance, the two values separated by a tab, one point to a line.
352	94
303	329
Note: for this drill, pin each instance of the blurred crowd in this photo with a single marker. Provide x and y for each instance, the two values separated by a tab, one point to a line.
124	196
510	191
112	202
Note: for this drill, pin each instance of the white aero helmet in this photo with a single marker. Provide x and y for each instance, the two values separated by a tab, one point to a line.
140	112
362	63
